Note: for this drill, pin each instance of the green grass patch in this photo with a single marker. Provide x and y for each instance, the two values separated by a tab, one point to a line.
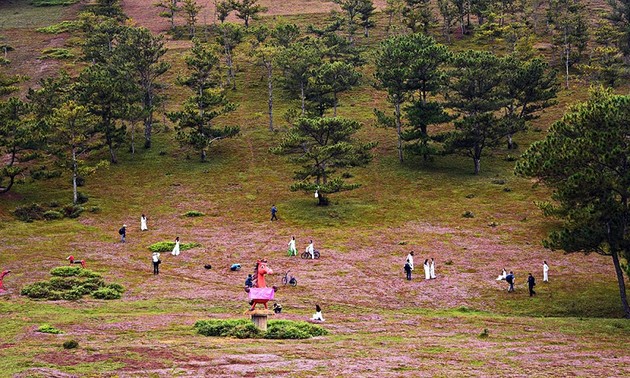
245	329
167	246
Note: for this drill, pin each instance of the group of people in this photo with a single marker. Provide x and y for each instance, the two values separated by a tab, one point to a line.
531	281
310	248
429	267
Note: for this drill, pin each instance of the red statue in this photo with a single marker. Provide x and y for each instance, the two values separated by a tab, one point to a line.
260	293
1	277
73	261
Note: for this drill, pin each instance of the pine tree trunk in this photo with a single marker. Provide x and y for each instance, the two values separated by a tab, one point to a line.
477	165
303	98
622	285
334	104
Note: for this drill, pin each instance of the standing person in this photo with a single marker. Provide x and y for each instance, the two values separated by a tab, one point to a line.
274	210
432	268
427	270
156	262
123	233
311	249
545	272
143	223
510	280
318	314
249	281
176	248
292	250
531	282
409	265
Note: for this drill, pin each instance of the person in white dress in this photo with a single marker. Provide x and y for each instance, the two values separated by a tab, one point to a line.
318	314
176	248
432	268
427	270
502	275
311	249
292	249
143	223
545	272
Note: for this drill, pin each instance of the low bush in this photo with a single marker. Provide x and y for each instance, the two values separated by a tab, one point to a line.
106	293
29	213
56	53
82	198
245	329
70	344
38	290
52	215
193	213
66	271
72	211
468	214
167	246
47	328
61	27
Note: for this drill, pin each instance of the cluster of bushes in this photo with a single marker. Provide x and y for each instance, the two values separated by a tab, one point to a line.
245	329
72	283
167	246
34	211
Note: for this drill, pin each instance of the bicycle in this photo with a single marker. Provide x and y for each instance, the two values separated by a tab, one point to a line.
306	255
288	279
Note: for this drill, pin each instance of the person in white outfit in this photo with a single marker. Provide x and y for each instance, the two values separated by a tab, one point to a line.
311	249
432	268
318	314
292	249
143	223
427	270
156	262
502	275
176	248
545	272
410	259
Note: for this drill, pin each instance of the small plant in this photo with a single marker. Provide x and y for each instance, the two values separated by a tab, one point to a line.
72	211
52	215
484	334
510	158
107	293
95	209
498	181
70	344
448	262
62	27
56	53
82	198
47	328
468	214
470	195
167	246
402	243
193	213
493	224
507	189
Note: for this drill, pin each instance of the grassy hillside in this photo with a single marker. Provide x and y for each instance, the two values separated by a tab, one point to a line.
380	324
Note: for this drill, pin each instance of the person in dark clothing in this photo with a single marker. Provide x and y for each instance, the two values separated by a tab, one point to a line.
249	281
510	280
123	233
531	282
155	258
274	210
409	265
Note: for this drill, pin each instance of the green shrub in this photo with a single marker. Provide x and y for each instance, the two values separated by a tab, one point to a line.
53	204
66	271
116	287
62	27
245	329
29	213
86	273
74	294
82	198
63	283
106	293
194	213
37	290
468	214
70	344
52	215
95	209
498	181
42	173
484	334
56	53
47	328
72	211
167	246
